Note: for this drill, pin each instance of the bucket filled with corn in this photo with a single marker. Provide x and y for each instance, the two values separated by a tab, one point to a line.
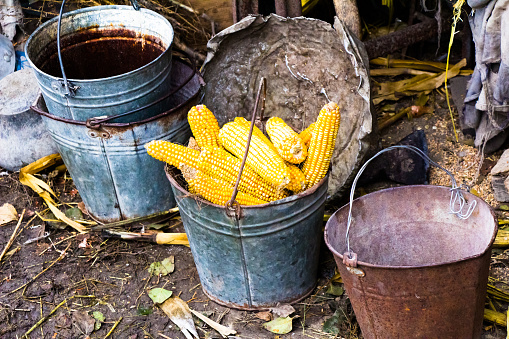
263	250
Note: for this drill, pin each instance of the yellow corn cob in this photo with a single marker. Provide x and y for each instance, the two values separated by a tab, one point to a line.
306	134
173	154
322	144
261	158
204	126
218	163
297	179
288	143
256	130
218	191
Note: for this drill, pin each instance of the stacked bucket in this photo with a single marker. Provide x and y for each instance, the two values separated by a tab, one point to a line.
124	89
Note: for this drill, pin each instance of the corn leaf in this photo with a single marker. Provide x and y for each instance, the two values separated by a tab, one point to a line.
397	71
497	293
7	214
495	317
27	178
418	84
429	66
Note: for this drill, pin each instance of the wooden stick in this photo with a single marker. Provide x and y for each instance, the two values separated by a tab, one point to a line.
44	270
13	236
43	319
133	220
113	328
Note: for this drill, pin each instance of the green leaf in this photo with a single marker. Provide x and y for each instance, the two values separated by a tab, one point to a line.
279	325
156	226
164	267
98	316
74	213
159	295
99	319
504	207
335	289
331	325
144	311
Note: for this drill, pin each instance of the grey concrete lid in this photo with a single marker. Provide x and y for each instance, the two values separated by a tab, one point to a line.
18	91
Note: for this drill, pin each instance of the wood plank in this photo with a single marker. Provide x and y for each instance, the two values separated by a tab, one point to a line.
219	10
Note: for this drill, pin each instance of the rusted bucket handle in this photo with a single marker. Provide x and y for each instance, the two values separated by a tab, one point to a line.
70	90
457	203
229	205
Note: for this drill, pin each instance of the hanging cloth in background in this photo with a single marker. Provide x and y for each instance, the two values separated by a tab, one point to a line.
486	110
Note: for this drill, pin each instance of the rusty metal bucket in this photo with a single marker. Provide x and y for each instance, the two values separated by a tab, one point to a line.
414	270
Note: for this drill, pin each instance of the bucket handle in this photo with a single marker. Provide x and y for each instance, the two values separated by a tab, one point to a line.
457	202
70	89
233	207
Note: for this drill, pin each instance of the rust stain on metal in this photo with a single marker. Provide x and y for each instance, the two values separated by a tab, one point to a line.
100	53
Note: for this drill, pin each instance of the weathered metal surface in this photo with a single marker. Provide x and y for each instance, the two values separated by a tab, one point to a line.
115	176
23	136
424	271
118	59
268	256
303	72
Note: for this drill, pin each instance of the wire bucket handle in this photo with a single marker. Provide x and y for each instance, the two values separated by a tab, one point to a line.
457	203
70	89
233	207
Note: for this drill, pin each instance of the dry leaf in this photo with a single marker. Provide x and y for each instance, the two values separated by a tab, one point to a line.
7	214
178	311
279	325
223	330
283	311
267	316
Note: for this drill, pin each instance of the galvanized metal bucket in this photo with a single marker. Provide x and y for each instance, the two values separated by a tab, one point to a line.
117	59
411	268
115	176
260	256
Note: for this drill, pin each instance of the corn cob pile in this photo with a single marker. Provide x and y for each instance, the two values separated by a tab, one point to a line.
285	164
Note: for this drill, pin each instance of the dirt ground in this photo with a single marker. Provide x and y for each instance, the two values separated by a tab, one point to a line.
81	274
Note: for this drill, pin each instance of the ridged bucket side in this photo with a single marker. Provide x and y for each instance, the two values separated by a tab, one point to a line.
267	257
113	172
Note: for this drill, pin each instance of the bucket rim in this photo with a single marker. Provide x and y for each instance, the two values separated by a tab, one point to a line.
366	264
94	9
36	106
168	171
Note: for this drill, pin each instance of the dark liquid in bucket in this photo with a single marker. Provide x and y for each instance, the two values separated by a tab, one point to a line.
100	53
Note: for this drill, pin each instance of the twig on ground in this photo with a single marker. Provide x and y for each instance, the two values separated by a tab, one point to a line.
13	236
113	328
58	242
43	319
60	257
